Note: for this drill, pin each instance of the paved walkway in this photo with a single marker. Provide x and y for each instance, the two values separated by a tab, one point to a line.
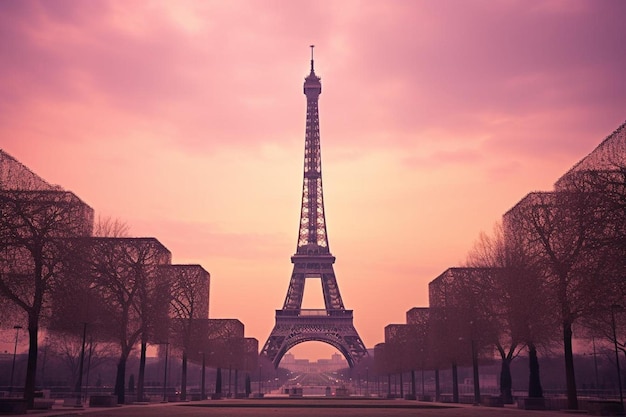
305	407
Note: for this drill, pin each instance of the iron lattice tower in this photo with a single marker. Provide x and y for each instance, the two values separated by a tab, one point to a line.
333	324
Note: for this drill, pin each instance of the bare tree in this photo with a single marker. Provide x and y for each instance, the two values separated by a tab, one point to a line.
68	348
602	174
517	305
464	325
76	325
402	344
608	258
152	310
225	344
420	319
382	364
34	227
222	336
123	273
106	226
608	239
76	309
189	302
251	356
558	231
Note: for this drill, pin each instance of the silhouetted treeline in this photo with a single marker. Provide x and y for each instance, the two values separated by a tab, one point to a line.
95	294
553	269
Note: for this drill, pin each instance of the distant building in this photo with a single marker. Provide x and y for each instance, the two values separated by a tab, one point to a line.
293	364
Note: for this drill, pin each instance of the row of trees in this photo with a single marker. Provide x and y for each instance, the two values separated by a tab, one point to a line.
61	273
554	266
59	362
34	226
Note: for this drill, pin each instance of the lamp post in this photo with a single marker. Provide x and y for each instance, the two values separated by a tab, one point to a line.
474	366
17	332
614	308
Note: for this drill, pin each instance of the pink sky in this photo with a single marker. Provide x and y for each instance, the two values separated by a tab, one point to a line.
186	120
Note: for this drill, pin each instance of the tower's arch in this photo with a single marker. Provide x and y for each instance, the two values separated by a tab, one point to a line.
335	339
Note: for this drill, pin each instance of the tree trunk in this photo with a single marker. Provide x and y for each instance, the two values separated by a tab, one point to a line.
31	369
395	385
475	375
437	387
119	379
33	331
142	371
534	381
455	383
183	382
218	381
248	385
570	378
506	382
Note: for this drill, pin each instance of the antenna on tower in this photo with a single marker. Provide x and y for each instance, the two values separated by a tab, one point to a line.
312	46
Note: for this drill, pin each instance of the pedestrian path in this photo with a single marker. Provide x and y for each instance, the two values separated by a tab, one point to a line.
303	407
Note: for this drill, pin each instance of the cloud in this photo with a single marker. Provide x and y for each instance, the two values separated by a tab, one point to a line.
449	65
210	75
441	158
198	241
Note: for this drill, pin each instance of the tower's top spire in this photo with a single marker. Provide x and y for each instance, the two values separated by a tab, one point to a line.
312	85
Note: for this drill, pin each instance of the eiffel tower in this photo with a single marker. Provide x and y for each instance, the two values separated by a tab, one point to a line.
333	324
